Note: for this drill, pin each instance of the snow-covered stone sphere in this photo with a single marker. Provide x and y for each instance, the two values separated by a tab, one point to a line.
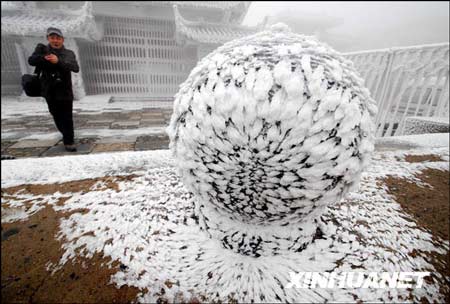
267	131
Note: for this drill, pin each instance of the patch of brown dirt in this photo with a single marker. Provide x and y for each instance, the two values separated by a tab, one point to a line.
422	158
113	147
430	209
111	182
28	246
429	206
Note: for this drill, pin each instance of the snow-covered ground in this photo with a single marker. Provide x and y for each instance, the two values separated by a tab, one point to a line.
64	168
418	140
13	107
148	225
18	110
83	133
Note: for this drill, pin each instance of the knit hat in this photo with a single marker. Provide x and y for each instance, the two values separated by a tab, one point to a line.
54	30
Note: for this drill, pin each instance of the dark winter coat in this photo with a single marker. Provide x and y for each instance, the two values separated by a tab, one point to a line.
56	79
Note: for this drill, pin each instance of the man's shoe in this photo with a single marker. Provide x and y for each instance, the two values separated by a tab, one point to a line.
70	148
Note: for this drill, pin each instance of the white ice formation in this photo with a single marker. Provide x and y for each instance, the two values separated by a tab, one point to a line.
267	131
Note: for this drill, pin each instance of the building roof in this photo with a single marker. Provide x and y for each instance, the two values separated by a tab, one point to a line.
238	9
17	5
32	21
221	5
209	32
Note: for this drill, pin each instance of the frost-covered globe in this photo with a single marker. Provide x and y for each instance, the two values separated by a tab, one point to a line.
267	131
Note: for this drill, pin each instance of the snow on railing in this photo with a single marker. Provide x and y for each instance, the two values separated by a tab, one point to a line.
407	81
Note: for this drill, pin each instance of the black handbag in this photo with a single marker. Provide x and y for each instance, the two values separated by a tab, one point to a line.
31	83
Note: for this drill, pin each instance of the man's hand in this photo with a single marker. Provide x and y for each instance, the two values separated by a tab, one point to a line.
52	58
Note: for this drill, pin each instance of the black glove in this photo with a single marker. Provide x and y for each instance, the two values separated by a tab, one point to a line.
42	49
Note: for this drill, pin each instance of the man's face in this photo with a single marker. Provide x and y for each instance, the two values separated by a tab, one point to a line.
55	41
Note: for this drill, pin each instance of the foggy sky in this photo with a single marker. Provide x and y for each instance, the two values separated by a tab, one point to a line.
353	26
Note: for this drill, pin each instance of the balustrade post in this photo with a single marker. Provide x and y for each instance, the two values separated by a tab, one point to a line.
383	109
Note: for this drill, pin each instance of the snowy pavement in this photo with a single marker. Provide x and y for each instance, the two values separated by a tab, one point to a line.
101	126
28	129
23	106
148	225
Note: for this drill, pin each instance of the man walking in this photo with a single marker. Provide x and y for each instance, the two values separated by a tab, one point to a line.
56	63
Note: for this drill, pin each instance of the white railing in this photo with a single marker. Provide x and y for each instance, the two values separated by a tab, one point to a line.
408	81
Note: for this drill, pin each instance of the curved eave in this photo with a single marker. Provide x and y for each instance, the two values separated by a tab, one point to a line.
220	5
207	32
75	24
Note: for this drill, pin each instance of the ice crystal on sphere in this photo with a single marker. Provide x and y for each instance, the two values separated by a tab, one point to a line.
267	131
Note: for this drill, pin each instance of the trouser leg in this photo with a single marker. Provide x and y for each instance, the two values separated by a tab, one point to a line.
67	122
54	111
61	111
